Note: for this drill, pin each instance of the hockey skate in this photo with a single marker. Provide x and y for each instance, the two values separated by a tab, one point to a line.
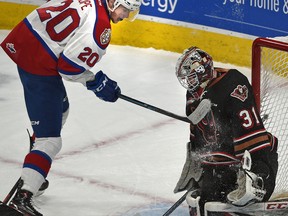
42	189
22	202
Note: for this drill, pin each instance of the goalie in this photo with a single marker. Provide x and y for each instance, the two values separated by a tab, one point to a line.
225	125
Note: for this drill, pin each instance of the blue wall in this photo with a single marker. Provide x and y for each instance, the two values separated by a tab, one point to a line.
260	18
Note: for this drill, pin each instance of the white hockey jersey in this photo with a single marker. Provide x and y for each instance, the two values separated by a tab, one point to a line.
67	37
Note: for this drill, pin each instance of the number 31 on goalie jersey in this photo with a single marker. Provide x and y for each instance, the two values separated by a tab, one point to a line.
248	117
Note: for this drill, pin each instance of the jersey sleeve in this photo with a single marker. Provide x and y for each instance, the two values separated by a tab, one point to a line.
247	127
61	37
86	47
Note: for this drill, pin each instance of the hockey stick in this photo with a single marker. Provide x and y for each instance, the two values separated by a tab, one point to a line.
153	108
17	184
176	204
12	191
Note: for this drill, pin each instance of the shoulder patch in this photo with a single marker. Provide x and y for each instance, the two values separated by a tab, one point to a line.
105	36
102	28
240	92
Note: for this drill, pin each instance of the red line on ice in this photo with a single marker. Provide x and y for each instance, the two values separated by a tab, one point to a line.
112	141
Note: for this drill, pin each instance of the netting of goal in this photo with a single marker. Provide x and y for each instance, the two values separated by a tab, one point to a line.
270	85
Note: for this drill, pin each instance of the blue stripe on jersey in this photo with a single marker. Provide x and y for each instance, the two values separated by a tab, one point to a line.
72	64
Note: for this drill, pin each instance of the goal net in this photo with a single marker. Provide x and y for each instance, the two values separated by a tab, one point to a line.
270	86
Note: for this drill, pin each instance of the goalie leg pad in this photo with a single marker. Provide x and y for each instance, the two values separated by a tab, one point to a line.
250	189
250	186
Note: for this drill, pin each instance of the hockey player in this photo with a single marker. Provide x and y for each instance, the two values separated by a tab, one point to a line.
60	39
225	125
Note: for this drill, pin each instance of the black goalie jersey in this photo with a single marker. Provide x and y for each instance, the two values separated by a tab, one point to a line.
233	125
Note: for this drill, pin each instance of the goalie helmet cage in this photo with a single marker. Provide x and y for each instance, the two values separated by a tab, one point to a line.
270	86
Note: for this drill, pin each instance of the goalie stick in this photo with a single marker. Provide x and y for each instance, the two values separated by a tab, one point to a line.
202	109
177	203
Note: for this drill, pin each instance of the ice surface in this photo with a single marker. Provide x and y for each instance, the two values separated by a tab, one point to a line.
117	159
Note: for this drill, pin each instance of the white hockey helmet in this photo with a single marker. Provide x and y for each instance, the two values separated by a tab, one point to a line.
194	68
132	5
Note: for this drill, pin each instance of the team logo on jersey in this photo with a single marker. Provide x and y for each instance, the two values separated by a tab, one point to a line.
10	47
105	36
240	92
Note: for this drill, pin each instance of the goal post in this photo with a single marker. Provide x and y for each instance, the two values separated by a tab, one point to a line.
270	86
258	52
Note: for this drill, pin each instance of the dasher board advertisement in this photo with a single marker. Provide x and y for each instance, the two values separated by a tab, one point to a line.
261	18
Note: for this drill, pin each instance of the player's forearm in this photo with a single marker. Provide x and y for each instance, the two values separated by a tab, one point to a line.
80	78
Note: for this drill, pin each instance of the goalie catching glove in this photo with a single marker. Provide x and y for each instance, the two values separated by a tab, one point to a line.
250	186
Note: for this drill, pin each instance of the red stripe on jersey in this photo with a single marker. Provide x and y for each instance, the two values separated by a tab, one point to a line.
254	133
66	66
23	47
219	158
257	148
102	29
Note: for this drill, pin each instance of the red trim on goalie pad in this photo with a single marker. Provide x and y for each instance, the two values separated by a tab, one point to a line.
219	158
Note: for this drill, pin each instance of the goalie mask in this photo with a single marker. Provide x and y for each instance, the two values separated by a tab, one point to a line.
194	68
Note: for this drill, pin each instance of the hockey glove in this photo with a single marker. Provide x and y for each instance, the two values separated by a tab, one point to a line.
250	186
104	88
